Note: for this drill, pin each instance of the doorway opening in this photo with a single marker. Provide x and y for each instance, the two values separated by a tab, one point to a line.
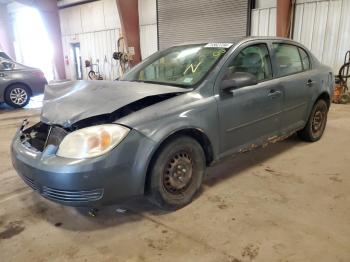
77	61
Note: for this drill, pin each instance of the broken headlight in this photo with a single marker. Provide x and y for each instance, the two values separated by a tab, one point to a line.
92	141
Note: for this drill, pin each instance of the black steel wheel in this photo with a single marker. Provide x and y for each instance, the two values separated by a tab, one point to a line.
316	124
17	95
176	173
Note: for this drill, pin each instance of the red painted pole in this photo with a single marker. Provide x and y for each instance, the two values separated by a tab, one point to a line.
284	12
129	18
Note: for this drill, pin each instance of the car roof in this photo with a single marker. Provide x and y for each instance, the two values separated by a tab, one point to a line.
236	40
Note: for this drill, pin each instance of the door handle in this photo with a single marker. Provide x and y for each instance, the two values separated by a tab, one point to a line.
309	82
274	93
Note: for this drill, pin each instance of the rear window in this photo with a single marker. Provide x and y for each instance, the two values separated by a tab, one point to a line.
287	58
304	59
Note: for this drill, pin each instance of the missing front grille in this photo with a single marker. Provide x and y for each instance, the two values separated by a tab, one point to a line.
40	135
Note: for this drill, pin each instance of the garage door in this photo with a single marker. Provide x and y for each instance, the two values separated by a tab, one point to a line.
191	20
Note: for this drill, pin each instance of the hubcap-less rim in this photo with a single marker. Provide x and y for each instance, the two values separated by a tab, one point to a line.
18	96
318	120
178	173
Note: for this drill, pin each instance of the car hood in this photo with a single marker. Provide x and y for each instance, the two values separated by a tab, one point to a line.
66	103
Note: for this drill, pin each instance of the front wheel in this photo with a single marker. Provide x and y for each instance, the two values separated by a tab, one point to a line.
316	124
177	172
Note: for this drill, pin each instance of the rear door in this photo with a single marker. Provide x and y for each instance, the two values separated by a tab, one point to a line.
249	114
292	68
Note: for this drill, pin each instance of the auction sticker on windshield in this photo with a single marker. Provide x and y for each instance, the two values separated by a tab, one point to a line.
220	45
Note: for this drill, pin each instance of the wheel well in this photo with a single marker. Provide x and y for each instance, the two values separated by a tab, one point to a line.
196	134
18	83
324	96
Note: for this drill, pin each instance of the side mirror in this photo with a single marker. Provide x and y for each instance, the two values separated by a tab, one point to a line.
238	80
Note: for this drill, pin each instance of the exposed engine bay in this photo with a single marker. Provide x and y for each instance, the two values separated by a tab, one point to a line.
40	135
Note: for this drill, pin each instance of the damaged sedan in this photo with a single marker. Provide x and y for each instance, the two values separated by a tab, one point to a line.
156	130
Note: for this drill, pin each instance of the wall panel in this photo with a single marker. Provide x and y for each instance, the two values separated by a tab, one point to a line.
264	16
96	26
148	27
344	33
148	38
308	24
92	16
254	27
272	22
263	22
97	47
111	15
319	31
332	33
323	26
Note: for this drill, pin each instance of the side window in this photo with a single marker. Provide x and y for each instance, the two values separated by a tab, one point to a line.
255	60
287	59
304	59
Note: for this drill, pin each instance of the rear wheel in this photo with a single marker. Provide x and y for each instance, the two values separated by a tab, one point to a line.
316	124
177	173
17	95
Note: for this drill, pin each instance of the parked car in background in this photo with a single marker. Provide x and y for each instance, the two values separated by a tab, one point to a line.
18	83
180	110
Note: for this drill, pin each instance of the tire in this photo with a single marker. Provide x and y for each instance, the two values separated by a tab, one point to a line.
17	95
177	173
316	124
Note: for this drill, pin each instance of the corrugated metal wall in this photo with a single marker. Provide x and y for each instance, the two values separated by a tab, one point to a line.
148	27
324	27
95	46
96	26
321	25
263	22
194	20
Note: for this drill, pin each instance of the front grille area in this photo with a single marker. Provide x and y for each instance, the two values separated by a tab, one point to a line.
40	135
72	196
30	182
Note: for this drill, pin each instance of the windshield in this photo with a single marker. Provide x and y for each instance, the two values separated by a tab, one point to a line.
180	66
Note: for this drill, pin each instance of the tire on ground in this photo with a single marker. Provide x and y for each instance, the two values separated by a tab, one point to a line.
316	123
166	189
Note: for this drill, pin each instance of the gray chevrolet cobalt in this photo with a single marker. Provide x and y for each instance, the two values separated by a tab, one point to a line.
19	82
156	130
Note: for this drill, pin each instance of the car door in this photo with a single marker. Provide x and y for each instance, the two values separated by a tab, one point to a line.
292	67
249	114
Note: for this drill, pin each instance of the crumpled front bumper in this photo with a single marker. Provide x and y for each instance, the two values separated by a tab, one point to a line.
107	179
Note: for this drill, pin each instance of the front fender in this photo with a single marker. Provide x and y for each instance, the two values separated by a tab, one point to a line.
158	122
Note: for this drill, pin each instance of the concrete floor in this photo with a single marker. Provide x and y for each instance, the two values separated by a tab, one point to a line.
287	202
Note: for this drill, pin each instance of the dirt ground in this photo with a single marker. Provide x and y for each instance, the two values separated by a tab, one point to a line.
287	202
